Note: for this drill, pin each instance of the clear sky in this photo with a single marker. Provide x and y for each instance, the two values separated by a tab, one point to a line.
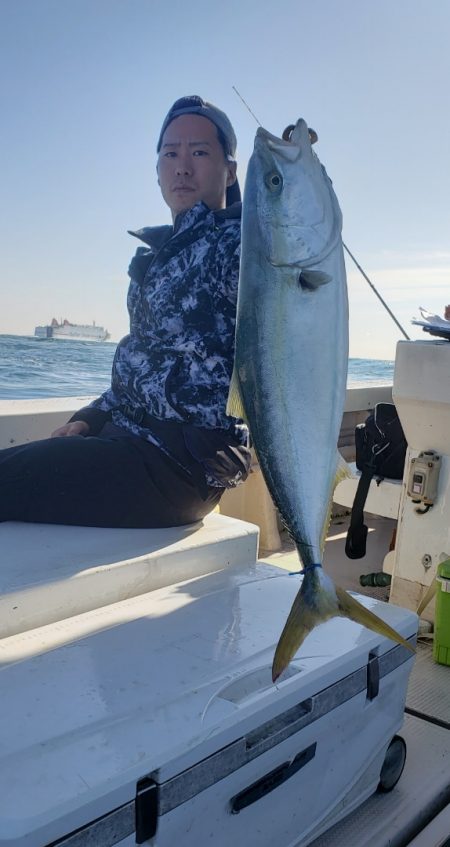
85	85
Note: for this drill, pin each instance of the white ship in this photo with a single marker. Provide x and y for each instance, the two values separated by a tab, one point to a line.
72	332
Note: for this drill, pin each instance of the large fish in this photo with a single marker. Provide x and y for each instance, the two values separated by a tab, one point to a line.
291	357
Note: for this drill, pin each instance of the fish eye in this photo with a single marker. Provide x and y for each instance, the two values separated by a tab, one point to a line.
274	181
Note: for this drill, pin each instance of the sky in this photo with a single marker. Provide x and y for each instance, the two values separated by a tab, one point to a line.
85	86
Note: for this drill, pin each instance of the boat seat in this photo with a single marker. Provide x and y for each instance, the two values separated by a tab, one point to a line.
49	573
383	498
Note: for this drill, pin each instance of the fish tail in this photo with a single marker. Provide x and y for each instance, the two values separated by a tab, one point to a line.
350	607
317	601
427	597
308	610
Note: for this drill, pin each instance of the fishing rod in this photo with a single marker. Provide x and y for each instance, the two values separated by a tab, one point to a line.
313	138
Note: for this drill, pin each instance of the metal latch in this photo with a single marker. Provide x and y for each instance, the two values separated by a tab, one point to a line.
146	809
373	676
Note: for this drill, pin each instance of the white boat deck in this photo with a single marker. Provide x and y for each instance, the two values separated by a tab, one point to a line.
394	819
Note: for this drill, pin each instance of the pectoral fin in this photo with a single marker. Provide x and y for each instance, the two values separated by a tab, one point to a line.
311	280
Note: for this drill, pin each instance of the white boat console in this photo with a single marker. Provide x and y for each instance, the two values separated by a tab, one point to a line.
421	393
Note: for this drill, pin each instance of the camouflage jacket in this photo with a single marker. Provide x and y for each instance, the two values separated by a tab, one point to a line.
176	362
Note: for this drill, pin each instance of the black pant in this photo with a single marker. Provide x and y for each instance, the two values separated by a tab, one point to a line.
108	480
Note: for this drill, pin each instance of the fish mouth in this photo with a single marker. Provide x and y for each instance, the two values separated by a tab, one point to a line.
298	142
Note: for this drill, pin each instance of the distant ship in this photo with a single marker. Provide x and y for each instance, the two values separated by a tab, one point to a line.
72	332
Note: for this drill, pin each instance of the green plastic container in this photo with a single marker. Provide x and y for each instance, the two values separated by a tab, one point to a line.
441	647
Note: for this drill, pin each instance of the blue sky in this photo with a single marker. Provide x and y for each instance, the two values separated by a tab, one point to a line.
85	85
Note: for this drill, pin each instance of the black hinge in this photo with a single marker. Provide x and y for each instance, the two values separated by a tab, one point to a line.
146	809
373	676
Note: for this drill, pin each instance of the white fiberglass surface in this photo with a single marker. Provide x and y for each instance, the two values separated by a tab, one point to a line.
152	678
39	553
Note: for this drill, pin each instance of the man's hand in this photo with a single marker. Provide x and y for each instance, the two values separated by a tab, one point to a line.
74	428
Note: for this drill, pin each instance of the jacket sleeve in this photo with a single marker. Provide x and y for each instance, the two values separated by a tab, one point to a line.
97	413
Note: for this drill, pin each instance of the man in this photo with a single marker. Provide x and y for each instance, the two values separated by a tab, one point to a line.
157	448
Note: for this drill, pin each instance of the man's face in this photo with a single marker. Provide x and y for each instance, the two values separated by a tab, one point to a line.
192	165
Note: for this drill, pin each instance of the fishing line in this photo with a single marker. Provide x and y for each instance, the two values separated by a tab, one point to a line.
398	324
305	569
246	105
376	292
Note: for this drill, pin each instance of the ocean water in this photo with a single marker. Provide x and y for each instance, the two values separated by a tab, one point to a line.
31	367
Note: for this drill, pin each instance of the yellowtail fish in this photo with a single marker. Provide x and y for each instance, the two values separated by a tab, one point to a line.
291	358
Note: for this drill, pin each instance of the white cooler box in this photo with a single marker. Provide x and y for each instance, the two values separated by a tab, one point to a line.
155	721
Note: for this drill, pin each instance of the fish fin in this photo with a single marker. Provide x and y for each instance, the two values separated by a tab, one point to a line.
342	472
310	280
317	601
235	405
302	619
349	607
427	597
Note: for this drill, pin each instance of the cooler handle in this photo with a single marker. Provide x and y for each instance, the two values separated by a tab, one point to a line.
272	780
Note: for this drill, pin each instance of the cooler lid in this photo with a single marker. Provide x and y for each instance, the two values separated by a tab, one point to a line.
156	683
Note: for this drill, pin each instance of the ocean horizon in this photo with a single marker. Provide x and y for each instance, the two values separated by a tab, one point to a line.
33	367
